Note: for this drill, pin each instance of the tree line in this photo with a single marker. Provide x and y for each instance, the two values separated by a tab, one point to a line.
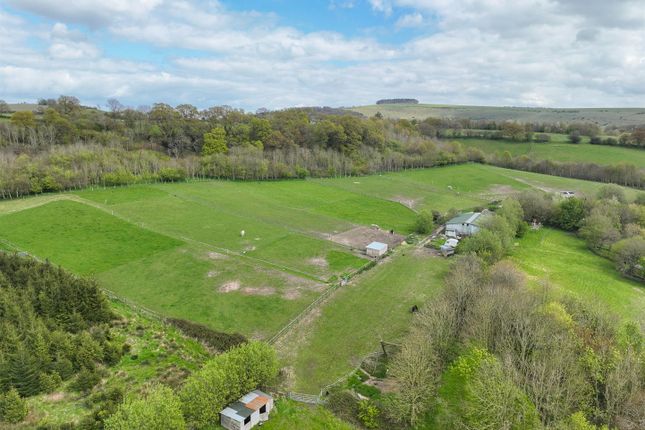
67	146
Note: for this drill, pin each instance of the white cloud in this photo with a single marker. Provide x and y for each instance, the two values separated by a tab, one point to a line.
410	20
503	52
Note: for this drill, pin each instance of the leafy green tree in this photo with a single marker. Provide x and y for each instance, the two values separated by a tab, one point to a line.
424	223
477	394
569	214
612	192
599	231
485	244
23	119
158	409
215	142
225	378
629	256
13	408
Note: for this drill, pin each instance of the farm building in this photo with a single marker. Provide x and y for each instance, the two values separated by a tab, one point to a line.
376	249
465	224
251	409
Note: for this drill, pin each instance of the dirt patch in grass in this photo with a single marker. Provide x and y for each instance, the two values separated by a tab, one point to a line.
406	201
216	256
318	262
258	291
501	190
291	294
229	287
212	273
359	237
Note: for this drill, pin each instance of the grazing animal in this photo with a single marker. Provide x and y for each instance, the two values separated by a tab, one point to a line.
414	309
242	233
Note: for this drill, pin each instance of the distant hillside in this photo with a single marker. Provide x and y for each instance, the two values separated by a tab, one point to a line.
619	117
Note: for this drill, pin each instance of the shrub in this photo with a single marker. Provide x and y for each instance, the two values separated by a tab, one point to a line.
424	223
569	214
13	408
215	339
368	414
86	380
171	174
158	409
485	244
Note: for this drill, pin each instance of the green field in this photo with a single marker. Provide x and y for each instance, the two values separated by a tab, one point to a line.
561	151
601	116
178	250
564	262
374	307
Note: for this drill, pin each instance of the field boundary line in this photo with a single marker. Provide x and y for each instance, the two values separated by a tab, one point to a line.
185	239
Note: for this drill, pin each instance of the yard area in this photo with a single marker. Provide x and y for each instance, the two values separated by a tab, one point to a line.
564	261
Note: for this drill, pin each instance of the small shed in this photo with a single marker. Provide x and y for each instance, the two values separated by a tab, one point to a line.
248	411
465	224
376	249
448	248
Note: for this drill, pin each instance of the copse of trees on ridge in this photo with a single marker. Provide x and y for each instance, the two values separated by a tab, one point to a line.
397	101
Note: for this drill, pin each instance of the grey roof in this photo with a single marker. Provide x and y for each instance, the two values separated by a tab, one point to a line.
241	410
377	245
465	218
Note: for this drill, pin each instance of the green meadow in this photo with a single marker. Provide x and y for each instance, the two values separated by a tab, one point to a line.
178	249
563	261
561	150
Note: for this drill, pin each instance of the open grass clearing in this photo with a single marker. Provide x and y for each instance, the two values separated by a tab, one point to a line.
373	307
563	261
561	151
290	415
79	237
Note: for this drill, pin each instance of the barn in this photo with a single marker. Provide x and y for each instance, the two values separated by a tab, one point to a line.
376	249
251	409
465	224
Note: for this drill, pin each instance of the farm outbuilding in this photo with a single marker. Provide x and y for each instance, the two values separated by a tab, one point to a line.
376	249
251	409
465	224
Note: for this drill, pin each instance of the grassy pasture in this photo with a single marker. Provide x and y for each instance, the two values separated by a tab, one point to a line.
564	261
561	151
373	307
177	248
79	237
600	116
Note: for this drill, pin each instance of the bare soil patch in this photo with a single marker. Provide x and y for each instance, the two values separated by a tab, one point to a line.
229	287
291	294
216	256
212	273
318	262
360	237
258	291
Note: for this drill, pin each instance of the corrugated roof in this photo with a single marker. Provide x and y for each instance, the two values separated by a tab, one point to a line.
465	218
231	413
241	409
257	403
377	245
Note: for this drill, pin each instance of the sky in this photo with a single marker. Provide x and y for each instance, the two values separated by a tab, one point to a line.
273	54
